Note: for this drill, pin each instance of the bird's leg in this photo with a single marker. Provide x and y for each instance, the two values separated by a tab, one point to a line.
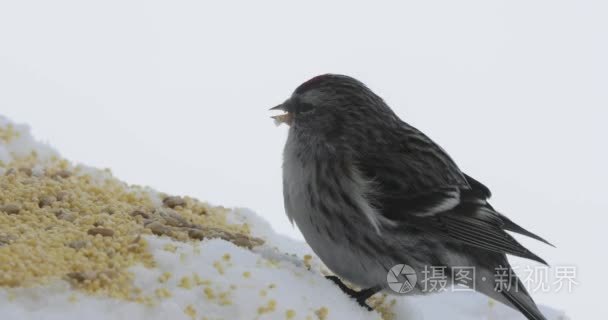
364	294
342	286
360	296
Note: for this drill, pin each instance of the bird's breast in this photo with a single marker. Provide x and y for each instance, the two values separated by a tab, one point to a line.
327	201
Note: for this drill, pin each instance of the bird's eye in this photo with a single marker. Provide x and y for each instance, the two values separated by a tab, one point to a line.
304	107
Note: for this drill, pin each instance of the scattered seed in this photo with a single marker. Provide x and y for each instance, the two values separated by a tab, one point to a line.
26	171
238	239
46	201
159	229
140	213
197	234
172	218
6	239
82	276
290	314
107	275
10	208
245	241
63	174
174	201
69	217
78	244
65	215
322	313
104	232
62	196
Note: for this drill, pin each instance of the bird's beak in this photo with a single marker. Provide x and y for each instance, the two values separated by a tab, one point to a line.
286	118
279	107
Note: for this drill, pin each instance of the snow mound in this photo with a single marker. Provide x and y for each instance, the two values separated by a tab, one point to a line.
77	243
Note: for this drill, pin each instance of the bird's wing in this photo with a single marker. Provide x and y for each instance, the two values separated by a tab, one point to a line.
481	191
473	225
411	175
423	188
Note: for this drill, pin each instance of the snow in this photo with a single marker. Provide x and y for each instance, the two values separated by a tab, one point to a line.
215	279
22	144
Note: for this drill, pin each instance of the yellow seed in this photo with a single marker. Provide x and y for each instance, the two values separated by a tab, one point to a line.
224	298
209	293
290	314
170	247
185	283
268	308
162	293
52	205
307	261
164	277
322	313
218	266
190	311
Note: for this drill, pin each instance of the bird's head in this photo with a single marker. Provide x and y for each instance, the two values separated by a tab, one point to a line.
327	105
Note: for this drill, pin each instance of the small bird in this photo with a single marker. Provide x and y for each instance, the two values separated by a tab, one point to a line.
370	192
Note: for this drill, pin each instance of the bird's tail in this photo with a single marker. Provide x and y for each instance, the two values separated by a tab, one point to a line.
521	300
508	289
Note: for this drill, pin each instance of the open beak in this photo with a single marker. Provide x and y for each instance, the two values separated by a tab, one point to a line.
286	118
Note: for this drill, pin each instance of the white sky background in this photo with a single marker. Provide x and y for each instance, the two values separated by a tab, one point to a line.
175	95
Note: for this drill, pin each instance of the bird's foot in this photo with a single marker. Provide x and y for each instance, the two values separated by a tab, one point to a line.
360	296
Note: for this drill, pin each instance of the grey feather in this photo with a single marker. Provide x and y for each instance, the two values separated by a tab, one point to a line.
368	191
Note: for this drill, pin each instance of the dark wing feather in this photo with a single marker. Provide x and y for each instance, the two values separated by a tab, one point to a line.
411	174
418	184
478	188
482	191
483	230
471	224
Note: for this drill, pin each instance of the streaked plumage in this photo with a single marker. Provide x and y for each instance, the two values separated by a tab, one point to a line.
368	192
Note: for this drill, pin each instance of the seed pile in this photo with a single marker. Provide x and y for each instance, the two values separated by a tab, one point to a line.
61	221
81	225
8	133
